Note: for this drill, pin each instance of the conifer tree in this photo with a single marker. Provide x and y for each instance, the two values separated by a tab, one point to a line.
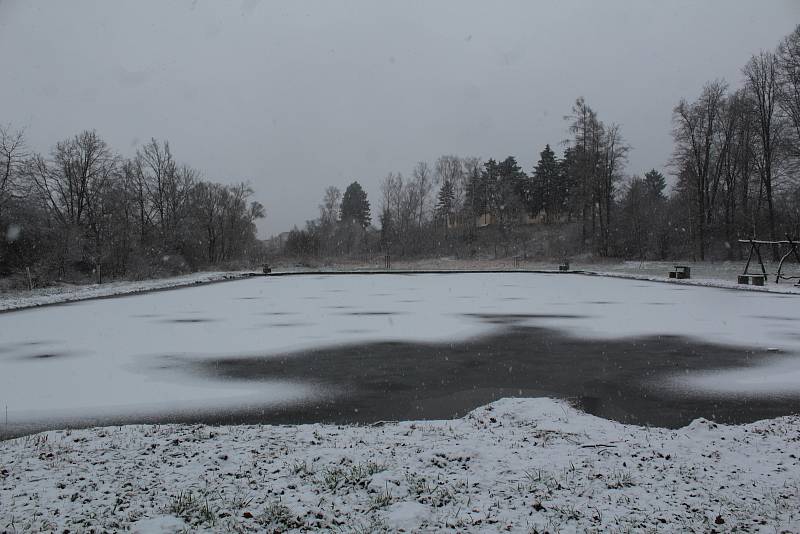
445	201
355	206
546	181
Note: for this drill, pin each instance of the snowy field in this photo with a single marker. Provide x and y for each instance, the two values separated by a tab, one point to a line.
518	465
366	348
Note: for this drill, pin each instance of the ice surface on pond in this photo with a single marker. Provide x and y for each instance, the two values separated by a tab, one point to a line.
780	377
119	356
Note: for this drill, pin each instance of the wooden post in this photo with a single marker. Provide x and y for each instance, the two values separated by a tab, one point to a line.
761	262
792	250
749	256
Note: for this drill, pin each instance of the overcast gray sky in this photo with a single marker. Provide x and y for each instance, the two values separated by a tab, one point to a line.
296	96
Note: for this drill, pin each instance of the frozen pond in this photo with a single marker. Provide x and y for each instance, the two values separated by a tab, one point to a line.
375	347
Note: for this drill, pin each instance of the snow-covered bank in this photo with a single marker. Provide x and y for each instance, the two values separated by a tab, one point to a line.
704	273
721	275
515	465
13	300
785	288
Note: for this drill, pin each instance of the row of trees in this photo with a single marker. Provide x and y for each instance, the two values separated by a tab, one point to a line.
735	158
452	199
736	151
342	227
85	210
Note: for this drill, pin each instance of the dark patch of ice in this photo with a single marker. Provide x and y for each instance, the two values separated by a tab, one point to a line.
188	321
371	313
612	378
774	317
513	318
46	356
49	355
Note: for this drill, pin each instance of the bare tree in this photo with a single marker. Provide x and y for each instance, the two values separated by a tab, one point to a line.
450	169
134	180
155	165
393	210
71	183
597	155
329	218
208	201
422	187
788	58
12	156
329	209
613	155
472	174
100	211
167	188
761	77
694	157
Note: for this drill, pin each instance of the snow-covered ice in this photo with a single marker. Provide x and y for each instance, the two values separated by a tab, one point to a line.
115	357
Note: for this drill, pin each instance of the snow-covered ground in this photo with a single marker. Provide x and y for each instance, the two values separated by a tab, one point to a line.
517	465
14	300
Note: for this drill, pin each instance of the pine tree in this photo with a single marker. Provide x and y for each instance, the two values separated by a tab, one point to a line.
656	184
445	201
355	206
475	201
569	188
511	192
388	233
489	195
546	177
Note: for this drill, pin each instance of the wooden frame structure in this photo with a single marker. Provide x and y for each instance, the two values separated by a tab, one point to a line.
755	249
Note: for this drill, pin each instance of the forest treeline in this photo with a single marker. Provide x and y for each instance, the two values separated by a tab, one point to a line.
84	212
734	166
